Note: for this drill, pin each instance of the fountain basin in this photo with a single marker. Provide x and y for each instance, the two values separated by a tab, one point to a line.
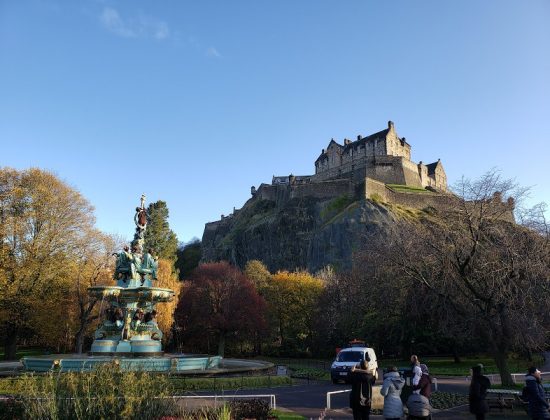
131	294
105	292
82	363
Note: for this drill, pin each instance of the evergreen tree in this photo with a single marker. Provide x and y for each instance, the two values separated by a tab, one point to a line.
158	235
188	258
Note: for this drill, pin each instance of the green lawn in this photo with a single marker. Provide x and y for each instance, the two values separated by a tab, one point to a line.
284	415
303	368
406	188
442	366
26	352
445	366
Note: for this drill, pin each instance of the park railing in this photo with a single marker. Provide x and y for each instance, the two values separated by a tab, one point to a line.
495	377
330	394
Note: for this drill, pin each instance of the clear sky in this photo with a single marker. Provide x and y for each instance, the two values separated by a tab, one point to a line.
193	102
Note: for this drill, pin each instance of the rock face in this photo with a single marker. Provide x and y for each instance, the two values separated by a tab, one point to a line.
305	232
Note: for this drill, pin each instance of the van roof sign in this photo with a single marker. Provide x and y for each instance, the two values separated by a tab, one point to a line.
357	343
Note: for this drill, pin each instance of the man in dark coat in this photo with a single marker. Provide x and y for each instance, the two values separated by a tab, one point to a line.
360	397
478	392
538	406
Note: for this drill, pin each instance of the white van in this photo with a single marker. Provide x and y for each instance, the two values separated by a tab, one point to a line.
349	357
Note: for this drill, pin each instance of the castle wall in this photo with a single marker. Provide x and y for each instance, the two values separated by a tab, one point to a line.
321	190
410	173
343	171
414	200
393	170
327	189
387	169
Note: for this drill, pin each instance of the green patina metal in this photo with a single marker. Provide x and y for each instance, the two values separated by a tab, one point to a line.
129	331
130	325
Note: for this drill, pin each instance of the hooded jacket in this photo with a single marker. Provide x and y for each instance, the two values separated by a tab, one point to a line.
391	390
418	405
538	406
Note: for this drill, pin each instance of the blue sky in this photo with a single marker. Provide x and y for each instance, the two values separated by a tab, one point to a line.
195	102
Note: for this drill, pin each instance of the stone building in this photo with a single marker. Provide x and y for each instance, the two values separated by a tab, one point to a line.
382	156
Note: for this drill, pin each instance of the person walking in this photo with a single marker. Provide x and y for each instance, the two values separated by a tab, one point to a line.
478	392
360	397
416	372
424	385
538	406
391	391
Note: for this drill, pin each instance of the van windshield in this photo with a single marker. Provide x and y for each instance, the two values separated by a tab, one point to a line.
349	356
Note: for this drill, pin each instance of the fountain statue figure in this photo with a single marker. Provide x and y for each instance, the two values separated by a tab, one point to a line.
134	265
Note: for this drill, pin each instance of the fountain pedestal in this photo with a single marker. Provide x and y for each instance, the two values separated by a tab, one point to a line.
131	328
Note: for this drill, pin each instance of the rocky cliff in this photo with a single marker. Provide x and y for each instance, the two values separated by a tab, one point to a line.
305	232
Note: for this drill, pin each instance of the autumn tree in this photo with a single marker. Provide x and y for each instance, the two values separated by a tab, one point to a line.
158	235
293	304
167	278
92	266
41	223
260	277
486	270
258	273
220	301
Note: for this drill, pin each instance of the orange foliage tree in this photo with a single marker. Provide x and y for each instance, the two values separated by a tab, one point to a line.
41	222
168	279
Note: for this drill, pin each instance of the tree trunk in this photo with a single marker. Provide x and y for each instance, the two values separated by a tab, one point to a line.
221	344
79	340
10	343
529	354
501	360
258	345
455	354
501	345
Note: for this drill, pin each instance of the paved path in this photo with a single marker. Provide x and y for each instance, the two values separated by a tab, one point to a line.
309	399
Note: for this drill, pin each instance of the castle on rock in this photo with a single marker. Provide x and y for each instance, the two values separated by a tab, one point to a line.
382	156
